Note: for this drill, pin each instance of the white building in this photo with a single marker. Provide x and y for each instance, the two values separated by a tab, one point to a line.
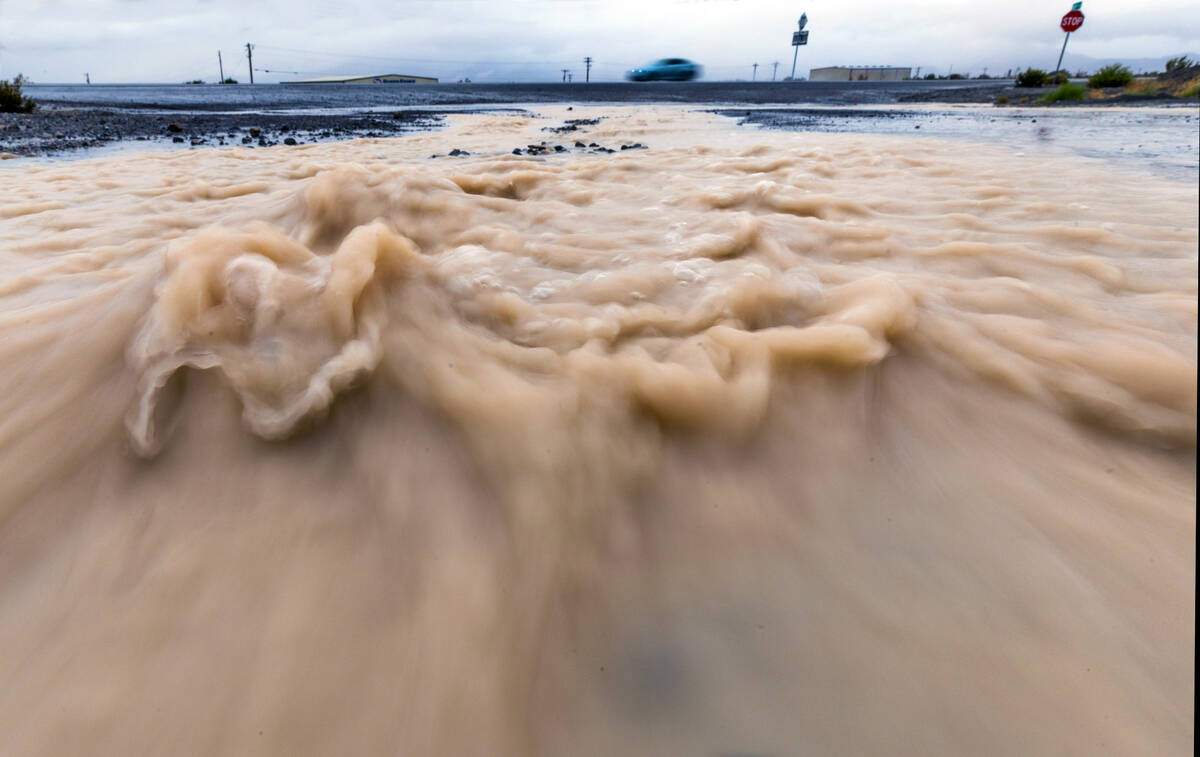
860	73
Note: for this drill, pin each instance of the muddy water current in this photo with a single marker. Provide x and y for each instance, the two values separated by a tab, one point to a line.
747	443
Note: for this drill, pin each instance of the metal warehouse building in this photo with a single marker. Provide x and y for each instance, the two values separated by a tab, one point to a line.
368	79
860	73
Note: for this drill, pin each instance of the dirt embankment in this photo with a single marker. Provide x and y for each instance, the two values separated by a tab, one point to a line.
52	129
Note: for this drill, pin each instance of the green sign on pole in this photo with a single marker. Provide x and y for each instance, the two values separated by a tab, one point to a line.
1076	6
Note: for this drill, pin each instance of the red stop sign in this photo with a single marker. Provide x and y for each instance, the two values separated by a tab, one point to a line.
1072	21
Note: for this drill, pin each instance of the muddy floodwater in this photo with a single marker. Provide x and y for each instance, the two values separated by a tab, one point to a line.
741	442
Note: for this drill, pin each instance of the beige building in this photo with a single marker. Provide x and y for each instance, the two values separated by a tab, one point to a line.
368	79
860	73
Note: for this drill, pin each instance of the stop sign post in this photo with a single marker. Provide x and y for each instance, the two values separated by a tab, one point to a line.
1070	22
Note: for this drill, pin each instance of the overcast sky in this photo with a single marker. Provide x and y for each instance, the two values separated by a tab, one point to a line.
532	40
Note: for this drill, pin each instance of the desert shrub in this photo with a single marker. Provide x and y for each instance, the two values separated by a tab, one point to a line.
1002	100
229	80
1180	63
11	99
1113	75
957	76
1192	91
1031	77
1065	92
930	77
1059	77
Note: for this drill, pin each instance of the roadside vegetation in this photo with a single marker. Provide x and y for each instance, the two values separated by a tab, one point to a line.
1036	77
1113	82
1179	64
1067	91
11	99
1113	75
1031	77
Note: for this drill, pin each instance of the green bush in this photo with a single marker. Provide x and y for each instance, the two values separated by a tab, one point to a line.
1180	63
229	80
1002	100
1031	77
930	76
1059	77
1193	91
1065	92
11	99
1113	75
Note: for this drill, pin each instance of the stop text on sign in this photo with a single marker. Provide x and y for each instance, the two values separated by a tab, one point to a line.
1072	21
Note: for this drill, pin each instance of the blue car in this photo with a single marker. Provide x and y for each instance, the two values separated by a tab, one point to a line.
667	69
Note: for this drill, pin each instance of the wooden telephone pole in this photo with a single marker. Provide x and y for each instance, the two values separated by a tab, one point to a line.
220	66
250	58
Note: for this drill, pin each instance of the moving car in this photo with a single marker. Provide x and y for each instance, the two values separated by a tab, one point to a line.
667	69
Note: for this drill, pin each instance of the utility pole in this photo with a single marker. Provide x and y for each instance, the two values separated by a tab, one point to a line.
774	68
221	66
564	73
250	58
587	76
570	77
754	76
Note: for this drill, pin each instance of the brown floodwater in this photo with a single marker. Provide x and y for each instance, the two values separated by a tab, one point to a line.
745	444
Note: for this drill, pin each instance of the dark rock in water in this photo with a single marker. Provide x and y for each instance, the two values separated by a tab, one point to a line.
255	131
593	144
262	142
918	126
559	148
284	128
516	151
174	128
634	146
580	144
246	140
289	141
570	108
177	140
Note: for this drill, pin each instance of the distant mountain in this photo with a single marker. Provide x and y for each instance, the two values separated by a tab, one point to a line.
1072	62
1090	64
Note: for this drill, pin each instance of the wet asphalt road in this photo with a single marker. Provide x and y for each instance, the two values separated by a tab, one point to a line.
277	97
